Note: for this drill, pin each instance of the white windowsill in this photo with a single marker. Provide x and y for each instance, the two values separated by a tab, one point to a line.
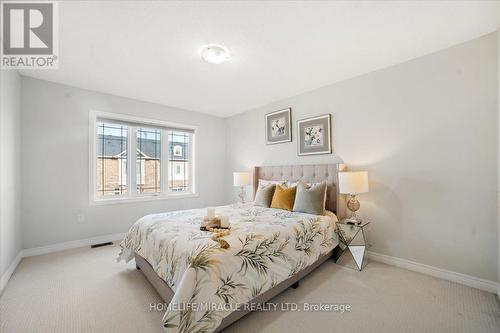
129	199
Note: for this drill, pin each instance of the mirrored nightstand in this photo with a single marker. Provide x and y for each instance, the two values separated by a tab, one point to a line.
352	244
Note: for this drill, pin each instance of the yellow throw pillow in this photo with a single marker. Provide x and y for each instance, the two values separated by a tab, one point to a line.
283	197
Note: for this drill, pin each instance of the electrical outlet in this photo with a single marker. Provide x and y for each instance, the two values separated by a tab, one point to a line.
80	218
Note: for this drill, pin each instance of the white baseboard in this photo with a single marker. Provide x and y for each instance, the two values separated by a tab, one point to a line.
36	251
8	273
54	248
467	280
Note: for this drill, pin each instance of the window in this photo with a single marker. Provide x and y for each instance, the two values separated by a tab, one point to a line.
111	159
148	160
162	165
178	158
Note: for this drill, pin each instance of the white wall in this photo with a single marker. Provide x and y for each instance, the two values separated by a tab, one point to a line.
426	130
10	186
498	170
55	168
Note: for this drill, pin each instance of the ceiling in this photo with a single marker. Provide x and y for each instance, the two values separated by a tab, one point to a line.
149	50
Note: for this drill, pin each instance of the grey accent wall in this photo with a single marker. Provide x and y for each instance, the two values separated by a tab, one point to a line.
10	162
55	168
426	130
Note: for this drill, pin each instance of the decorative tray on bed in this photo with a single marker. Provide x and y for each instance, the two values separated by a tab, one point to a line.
209	223
217	227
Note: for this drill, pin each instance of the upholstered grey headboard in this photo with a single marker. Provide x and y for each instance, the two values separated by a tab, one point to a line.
312	173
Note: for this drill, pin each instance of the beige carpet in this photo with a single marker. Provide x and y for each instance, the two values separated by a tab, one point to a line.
85	290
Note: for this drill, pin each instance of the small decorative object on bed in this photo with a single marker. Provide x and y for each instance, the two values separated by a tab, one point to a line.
210	220
224	221
353	183
241	179
314	135
278	127
210	223
210	212
217	236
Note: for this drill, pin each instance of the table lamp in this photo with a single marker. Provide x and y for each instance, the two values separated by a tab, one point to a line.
241	179
353	183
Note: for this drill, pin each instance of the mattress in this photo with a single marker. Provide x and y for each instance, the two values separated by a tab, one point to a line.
266	247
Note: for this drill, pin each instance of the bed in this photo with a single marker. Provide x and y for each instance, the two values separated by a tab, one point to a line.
207	287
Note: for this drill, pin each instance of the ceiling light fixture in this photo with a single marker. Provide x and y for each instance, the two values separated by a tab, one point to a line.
214	54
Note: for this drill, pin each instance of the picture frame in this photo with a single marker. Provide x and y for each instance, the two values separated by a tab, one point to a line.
314	135
279	126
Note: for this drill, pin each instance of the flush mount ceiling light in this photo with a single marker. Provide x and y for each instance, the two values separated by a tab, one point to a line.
214	54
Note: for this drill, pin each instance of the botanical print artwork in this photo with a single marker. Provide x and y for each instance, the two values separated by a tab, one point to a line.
313	136
267	246
278	127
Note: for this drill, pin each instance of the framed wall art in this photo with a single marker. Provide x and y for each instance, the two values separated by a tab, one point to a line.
279	126
314	135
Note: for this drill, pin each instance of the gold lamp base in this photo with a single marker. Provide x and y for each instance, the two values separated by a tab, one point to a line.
353	205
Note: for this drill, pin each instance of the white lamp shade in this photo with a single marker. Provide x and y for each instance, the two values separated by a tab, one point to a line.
241	178
353	182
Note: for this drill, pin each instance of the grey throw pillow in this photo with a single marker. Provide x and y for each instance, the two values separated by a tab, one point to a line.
310	200
264	195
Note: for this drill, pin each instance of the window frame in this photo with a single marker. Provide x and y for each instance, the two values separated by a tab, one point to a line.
133	123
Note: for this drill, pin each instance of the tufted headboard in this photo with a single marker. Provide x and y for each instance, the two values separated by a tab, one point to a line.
313	173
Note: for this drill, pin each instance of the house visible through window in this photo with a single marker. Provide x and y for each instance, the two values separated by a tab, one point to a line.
162	163
111	159
179	164
148	160
177	150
